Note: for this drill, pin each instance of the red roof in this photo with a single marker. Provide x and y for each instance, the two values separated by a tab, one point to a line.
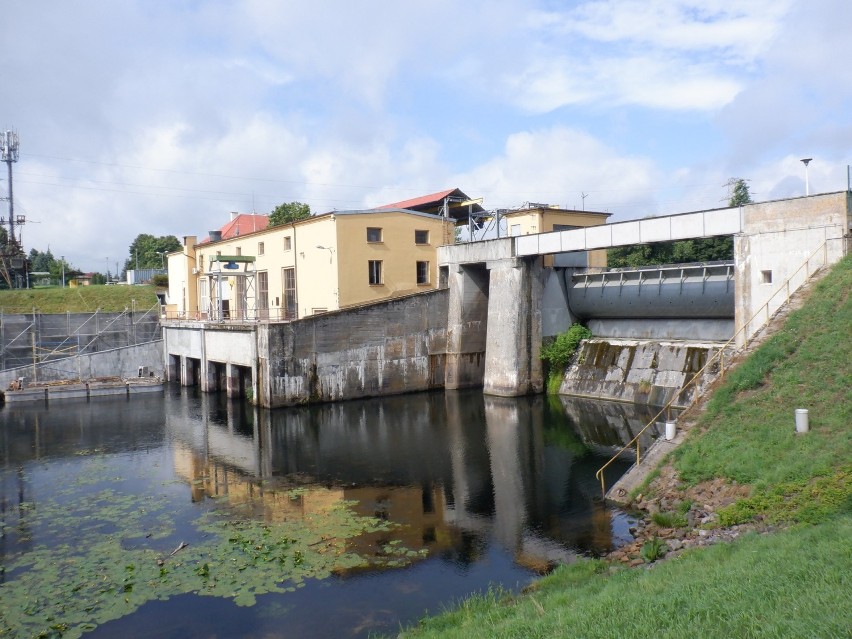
243	224
434	203
434	198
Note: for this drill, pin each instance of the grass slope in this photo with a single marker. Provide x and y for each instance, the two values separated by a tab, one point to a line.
83	299
792	584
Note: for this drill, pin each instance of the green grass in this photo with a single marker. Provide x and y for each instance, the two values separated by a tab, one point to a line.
791	584
83	299
748	432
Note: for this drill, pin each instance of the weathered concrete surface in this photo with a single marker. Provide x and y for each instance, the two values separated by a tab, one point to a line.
119	362
704	330
381	349
777	238
512	359
467	322
84	390
640	371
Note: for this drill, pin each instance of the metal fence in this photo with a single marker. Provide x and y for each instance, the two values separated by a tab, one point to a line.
31	338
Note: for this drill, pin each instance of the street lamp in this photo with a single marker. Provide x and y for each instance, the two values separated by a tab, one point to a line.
807	161
162	259
327	248
62	257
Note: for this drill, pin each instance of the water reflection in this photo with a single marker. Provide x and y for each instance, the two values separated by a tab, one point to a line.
446	467
481	489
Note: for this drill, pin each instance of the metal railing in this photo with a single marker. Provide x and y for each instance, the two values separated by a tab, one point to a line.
234	316
69	343
763	310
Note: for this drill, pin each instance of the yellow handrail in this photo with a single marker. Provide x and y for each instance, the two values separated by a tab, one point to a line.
785	287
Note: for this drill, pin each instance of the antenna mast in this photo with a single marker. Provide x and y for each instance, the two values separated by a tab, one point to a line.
9	155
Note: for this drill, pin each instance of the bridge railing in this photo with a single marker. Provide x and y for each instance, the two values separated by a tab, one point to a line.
809	267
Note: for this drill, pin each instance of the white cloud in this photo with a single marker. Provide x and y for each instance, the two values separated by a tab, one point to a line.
664	54
557	165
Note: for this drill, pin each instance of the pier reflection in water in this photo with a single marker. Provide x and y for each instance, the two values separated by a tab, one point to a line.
480	490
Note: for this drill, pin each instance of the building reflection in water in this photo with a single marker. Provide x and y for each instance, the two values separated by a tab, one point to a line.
454	471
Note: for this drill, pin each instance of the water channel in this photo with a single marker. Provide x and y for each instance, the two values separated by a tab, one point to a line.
191	515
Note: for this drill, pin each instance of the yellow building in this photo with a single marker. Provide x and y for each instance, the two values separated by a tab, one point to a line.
542	218
247	271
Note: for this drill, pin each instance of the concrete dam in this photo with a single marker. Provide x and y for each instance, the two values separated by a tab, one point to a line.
498	302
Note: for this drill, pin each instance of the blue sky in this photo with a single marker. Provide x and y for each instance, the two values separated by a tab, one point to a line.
161	117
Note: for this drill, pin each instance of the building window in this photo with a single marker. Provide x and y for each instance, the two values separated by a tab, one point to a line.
375	268
374	235
317	311
766	277
203	297
200	263
421	237
564	227
260	248
422	272
239	250
289	277
263	294
515	230
288	243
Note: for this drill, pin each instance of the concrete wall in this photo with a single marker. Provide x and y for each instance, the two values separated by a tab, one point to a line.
381	349
467	325
512	361
119	362
643	372
42	337
777	239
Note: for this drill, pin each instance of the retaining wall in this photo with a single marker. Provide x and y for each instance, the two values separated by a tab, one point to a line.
642	372
39	337
381	349
118	362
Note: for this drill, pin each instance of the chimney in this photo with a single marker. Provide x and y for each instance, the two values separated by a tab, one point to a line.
234	215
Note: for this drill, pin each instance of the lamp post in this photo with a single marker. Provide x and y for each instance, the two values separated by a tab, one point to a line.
329	249
62	257
807	161
162	259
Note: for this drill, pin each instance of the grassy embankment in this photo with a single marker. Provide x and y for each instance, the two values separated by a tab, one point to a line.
793	583
83	299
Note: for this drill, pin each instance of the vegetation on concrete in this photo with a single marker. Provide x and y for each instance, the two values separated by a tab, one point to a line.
81	299
558	353
792	583
288	213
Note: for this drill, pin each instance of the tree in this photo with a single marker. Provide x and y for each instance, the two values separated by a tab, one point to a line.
740	194
146	250
288	213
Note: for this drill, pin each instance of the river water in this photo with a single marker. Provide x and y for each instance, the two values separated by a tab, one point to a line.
191	515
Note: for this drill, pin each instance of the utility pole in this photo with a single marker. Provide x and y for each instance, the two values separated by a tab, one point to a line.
9	155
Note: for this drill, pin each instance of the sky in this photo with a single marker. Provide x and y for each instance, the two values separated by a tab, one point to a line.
137	116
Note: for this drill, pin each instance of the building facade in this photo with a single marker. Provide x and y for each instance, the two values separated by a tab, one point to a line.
323	263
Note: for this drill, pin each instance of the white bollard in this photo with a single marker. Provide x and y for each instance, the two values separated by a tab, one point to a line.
671	431
802	420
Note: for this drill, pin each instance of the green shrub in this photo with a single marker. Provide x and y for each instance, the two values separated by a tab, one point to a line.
558	353
653	549
669	520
